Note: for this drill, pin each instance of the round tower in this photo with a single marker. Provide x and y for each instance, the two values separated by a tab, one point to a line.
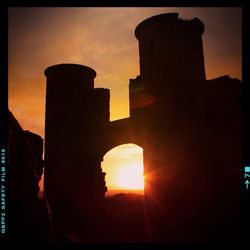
76	116
172	72
170	49
166	105
67	93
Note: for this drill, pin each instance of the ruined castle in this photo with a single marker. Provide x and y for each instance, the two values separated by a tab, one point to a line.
189	128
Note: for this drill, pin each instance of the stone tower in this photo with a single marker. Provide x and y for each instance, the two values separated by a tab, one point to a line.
171	54
75	116
172	109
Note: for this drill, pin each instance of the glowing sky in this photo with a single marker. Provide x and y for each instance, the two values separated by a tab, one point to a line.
101	38
129	174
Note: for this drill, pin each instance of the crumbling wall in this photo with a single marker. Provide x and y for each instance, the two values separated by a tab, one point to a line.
28	218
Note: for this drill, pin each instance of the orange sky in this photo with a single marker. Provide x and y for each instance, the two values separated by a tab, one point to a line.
101	38
124	167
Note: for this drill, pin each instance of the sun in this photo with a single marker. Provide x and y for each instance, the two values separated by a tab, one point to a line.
130	177
123	166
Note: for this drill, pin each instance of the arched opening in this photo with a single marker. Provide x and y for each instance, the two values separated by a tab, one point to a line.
123	166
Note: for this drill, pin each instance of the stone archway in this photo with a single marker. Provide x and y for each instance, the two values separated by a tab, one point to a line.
124	169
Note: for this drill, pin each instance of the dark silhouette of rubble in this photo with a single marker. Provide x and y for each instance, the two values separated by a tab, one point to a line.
28	218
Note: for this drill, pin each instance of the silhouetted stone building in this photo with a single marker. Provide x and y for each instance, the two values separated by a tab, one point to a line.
188	127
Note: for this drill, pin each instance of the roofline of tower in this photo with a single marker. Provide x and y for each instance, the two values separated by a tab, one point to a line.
64	67
171	17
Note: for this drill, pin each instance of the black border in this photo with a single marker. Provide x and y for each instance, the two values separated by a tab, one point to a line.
125	3
4	105
142	3
245	202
